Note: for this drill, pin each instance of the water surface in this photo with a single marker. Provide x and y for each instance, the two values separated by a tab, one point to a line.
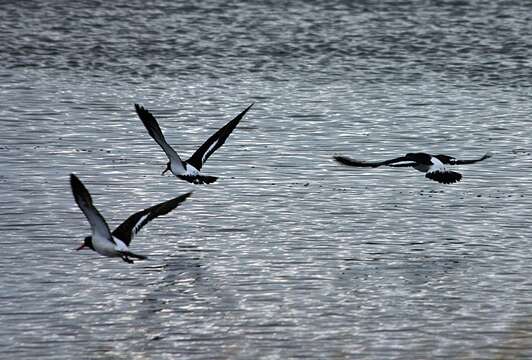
288	255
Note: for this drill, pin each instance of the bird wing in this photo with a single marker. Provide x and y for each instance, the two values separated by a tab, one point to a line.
408	164
471	161
129	228
155	132
353	162
99	227
215	141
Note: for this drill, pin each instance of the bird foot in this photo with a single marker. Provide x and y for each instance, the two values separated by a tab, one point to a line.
126	259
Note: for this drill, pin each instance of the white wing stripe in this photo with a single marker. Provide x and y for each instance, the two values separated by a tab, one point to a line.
138	225
209	150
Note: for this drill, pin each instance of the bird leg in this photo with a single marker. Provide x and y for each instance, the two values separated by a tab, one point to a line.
126	259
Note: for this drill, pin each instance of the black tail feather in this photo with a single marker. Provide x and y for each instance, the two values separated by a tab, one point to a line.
133	255
198	179
444	177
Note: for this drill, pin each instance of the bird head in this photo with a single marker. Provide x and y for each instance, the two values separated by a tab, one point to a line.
87	243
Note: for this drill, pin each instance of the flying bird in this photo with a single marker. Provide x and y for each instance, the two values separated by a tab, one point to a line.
188	170
116	244
432	165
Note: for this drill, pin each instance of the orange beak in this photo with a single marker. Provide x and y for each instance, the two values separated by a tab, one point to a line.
81	247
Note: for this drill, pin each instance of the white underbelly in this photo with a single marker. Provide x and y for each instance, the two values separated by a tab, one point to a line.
177	169
191	170
107	248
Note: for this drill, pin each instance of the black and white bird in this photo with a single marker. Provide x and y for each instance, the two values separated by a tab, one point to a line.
432	165
116	244
188	170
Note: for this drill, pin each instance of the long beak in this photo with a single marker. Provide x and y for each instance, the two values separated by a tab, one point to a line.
81	247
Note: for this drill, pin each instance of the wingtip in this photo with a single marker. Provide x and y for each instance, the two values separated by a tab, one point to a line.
246	109
74	179
182	197
338	158
138	107
342	159
241	115
80	192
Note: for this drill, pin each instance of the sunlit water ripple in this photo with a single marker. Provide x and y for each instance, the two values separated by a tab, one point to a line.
288	255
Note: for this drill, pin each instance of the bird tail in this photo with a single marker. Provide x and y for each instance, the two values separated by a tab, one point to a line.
133	255
199	179
444	177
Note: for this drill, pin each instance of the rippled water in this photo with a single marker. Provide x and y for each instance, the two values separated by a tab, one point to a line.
288	255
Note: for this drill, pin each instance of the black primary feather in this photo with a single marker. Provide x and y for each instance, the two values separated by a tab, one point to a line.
453	161
359	163
205	151
127	230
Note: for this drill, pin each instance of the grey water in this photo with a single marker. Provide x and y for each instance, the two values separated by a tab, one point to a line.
289	255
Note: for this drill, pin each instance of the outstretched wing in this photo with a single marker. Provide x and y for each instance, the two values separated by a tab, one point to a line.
215	141
353	162
98	225
155	132
129	228
408	164
470	161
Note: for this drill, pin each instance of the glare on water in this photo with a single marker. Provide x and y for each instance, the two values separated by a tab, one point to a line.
289	254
